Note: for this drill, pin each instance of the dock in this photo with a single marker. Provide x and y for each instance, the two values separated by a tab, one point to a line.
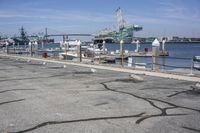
111	58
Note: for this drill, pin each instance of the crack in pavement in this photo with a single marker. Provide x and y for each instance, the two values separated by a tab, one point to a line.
192	129
78	120
156	115
127	80
197	92
177	93
150	101
55	67
12	101
103	103
159	88
16	90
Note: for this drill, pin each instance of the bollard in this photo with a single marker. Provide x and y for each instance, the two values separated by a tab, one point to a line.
155	54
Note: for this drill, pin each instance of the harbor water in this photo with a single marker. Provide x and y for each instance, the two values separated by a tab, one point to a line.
180	54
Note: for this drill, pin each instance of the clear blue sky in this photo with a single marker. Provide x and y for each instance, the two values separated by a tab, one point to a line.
158	17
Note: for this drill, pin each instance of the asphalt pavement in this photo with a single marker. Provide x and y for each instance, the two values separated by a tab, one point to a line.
39	97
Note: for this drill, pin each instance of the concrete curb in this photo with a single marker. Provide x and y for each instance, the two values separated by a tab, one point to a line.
156	74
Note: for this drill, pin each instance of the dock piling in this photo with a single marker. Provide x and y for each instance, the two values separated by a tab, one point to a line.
104	46
121	52
155	54
7	47
79	52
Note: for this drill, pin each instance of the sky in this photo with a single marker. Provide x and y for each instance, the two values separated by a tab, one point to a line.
157	17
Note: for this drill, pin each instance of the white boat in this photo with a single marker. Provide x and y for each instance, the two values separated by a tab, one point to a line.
96	48
71	45
70	49
68	55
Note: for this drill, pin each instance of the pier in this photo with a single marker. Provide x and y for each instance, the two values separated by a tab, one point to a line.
58	96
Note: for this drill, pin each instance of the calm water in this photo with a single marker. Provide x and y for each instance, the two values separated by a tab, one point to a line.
180	55
175	50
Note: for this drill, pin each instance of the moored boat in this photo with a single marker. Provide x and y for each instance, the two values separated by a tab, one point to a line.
196	62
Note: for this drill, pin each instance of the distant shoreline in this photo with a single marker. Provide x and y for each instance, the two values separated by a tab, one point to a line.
183	42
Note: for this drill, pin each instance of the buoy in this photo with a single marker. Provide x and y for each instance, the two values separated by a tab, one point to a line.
64	66
44	63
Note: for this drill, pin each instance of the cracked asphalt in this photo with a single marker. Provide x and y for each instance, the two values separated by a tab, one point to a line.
39	98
